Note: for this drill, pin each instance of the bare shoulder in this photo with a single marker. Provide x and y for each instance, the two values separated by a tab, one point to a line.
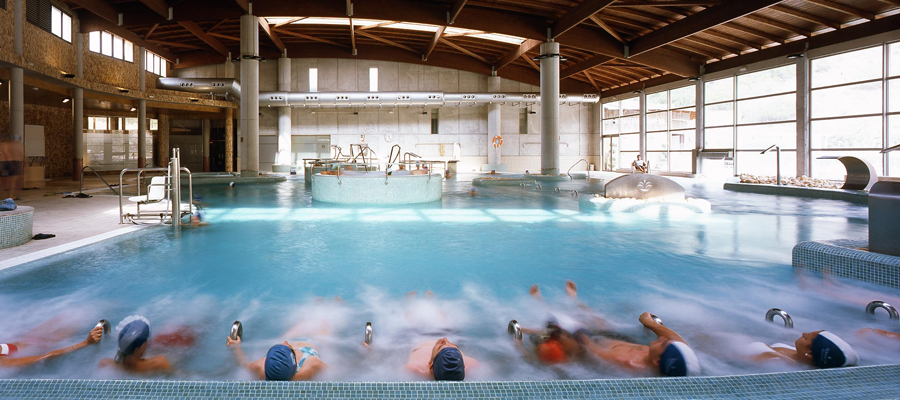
157	364
107	362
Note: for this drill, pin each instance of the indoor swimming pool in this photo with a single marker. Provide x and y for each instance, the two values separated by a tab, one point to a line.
272	258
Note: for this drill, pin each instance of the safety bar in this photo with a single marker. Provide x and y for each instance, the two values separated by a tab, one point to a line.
168	198
587	165
81	184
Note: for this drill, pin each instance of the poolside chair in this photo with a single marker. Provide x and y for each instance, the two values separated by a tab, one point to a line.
156	191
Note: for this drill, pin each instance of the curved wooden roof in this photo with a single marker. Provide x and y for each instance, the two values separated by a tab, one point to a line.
607	44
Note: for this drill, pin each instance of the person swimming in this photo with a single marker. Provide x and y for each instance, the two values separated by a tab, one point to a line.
821	349
133	339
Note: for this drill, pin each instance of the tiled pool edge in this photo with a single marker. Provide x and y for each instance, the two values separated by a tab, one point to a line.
853	196
844	259
871	382
37	255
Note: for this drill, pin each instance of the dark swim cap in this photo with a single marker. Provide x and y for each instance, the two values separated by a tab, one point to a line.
448	365
281	363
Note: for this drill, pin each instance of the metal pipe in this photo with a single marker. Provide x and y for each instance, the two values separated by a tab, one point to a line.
777	162
219	86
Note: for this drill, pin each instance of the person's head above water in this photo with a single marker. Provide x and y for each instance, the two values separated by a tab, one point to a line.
826	349
674	358
447	362
134	331
281	363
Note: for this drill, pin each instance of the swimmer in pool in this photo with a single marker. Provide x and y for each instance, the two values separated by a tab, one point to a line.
440	360
821	349
293	360
8	351
668	355
133	337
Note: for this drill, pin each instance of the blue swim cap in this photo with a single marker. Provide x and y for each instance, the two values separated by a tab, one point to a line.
678	360
830	351
281	363
448	365
132	336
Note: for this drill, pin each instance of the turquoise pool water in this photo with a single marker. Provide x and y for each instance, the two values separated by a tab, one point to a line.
273	258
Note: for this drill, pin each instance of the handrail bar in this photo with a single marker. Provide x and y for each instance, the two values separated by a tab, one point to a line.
81	184
168	197
576	163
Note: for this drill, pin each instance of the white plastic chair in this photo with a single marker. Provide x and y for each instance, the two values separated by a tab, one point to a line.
156	191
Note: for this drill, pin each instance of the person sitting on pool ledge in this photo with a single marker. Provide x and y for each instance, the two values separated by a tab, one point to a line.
7	350
441	360
639	165
821	349
133	339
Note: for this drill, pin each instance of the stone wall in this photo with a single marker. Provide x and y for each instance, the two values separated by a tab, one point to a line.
112	71
58	137
6	26
46	48
411	127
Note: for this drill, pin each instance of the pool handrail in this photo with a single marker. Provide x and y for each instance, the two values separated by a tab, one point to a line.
576	163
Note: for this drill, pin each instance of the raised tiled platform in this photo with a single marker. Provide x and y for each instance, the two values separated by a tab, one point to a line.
845	259
853	196
874	382
377	188
16	226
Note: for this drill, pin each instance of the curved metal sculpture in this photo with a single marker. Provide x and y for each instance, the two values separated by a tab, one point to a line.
644	187
861	175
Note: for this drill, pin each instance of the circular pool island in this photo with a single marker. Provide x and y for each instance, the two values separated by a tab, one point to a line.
377	187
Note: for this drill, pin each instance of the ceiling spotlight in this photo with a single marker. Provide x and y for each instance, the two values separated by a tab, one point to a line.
123	90
35	89
66	100
794	56
694	79
133	109
67	75
543	56
194	99
637	92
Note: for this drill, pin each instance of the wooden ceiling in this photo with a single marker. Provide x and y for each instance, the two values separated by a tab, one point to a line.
665	40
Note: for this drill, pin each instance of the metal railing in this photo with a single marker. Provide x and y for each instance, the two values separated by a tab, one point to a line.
587	165
169	211
81	184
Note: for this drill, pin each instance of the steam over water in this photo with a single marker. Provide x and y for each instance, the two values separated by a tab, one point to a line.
275	260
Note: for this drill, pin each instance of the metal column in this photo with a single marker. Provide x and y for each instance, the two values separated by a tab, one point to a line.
205	146
550	108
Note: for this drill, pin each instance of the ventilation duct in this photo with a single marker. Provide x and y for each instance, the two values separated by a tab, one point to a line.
231	87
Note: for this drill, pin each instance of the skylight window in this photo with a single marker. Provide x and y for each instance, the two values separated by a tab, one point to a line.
409	26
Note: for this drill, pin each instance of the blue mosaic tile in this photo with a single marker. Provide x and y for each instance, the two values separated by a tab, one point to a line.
16	226
874	382
845	258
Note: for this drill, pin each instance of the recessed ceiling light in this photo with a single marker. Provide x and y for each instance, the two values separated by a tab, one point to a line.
133	109
66	100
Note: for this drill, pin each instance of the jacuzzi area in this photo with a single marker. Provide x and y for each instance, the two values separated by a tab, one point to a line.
377	187
273	255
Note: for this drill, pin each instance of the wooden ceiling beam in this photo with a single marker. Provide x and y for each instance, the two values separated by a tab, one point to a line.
806	16
531	63
221	36
612	32
592	81
523	48
584	65
455	9
99	8
695	50
434	42
464	51
308	37
733	39
715	45
665	3
699	22
244	4
192	27
755	32
153	29
264	24
216	25
176	44
288	22
844	9
158	6
780	25
387	41
577	15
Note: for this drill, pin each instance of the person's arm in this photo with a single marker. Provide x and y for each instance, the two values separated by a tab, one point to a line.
93	337
660	330
235	346
880	332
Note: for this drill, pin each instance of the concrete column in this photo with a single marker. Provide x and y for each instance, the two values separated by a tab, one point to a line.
142	68
229	67
18	26
77	133
642	125
204	148
142	133
700	132
284	114
494	123
229	140
803	146
162	152
250	93
17	113
550	108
